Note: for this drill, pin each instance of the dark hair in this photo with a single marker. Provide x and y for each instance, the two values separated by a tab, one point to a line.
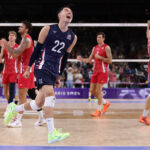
28	25
61	8
101	33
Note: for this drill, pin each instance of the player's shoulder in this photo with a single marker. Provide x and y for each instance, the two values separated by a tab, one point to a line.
46	28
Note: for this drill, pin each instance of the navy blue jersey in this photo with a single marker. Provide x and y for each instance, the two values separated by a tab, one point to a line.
55	46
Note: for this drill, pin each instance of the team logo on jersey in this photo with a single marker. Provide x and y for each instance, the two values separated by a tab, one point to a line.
69	37
54	31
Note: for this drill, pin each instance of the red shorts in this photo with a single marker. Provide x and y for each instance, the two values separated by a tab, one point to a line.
99	77
26	83
149	70
9	78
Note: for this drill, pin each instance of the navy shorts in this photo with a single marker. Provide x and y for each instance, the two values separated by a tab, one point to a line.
43	77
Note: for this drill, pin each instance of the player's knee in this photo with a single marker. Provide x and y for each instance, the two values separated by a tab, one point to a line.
34	105
50	101
92	91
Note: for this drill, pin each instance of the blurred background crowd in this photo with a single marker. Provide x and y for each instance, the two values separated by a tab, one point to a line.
125	42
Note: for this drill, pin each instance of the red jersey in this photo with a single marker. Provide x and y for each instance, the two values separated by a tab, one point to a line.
10	65
149	47
99	65
24	58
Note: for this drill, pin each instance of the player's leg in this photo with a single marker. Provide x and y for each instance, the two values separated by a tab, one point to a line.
53	134
98	94
6	90
144	118
6	94
22	100
32	94
11	92
32	105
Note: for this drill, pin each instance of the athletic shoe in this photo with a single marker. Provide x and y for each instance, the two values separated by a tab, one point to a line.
105	107
97	113
11	114
57	136
95	99
144	120
15	124
89	99
40	122
7	108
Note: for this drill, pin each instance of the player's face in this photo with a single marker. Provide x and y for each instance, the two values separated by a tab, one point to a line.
12	37
22	29
66	15
100	39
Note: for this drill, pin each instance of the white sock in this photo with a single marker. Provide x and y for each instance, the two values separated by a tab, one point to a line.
100	107
89	94
104	101
50	124
19	108
40	115
19	117
145	113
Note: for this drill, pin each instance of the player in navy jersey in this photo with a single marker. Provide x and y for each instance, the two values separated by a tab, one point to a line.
54	45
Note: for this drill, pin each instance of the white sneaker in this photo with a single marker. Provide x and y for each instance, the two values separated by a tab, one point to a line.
40	122
15	124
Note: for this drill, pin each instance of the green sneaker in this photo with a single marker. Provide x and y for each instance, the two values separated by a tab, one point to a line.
95	100
11	114
89	99
57	136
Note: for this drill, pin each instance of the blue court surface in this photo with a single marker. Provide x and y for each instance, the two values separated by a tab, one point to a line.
74	147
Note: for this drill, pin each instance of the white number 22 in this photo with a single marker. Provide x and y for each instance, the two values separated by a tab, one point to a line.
58	43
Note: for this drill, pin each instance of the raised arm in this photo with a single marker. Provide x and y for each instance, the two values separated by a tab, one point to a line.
26	43
148	29
108	54
87	60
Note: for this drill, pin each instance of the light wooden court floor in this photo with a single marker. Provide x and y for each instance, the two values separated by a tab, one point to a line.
118	127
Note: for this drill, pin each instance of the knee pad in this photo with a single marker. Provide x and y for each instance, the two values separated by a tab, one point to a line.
33	105
49	101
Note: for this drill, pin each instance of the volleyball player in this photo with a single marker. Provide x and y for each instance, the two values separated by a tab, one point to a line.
10	69
23	52
102	56
54	42
144	118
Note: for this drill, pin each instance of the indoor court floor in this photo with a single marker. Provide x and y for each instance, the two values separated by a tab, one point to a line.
118	129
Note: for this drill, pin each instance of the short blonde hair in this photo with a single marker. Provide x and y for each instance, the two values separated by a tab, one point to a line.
13	32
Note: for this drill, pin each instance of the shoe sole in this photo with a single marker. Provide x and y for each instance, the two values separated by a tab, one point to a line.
141	121
58	140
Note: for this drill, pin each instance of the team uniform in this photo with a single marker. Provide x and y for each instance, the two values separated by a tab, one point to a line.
47	66
100	73
149	59
10	68
23	62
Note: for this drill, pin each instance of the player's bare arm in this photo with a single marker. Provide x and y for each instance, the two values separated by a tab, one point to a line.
43	34
108	54
1	55
72	45
16	52
87	60
148	29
